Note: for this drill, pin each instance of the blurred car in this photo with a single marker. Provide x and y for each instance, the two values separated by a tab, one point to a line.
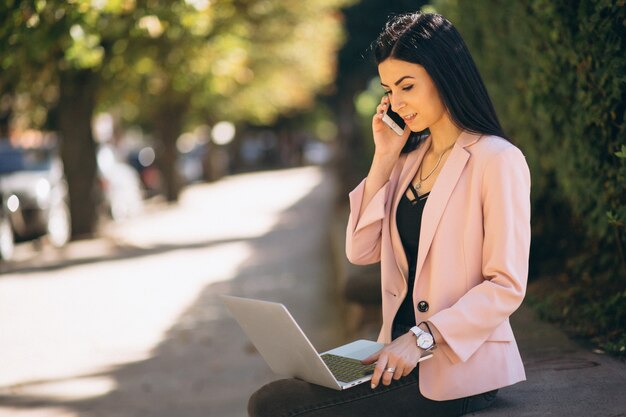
7	240
317	153
35	196
143	160
121	186
191	164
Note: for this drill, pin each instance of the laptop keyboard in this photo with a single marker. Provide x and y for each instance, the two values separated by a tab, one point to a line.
347	369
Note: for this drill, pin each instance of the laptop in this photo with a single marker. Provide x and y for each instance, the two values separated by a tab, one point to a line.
287	350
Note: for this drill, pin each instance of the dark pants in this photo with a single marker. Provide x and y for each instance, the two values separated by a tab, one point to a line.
292	397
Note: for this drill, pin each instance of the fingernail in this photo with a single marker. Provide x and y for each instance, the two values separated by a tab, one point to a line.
373	386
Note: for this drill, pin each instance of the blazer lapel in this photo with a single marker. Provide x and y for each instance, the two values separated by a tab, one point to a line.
409	170
440	194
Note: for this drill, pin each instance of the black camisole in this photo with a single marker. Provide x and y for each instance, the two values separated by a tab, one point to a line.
409	220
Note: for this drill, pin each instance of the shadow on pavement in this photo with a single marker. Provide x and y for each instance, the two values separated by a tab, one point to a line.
205	365
114	251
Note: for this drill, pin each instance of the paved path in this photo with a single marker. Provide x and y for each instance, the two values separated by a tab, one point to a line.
131	325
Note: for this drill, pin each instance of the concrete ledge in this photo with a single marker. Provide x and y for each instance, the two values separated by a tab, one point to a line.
358	286
563	378
362	285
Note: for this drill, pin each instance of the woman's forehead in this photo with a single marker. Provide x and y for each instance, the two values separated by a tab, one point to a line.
392	70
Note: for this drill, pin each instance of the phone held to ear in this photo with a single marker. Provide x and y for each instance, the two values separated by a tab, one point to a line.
394	121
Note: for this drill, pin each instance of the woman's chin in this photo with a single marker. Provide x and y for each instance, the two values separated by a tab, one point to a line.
416	129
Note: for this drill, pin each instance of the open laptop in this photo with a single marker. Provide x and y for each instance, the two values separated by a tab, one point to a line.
288	351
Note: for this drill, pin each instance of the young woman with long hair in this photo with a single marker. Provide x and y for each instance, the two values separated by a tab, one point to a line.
445	209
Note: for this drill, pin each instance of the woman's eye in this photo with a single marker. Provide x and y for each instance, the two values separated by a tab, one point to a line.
387	93
407	88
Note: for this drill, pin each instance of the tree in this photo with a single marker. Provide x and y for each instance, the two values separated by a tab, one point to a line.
61	47
172	60
247	62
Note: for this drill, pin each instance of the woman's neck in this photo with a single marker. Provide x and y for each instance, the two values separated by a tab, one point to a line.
443	135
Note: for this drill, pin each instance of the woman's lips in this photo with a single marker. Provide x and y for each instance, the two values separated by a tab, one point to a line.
409	117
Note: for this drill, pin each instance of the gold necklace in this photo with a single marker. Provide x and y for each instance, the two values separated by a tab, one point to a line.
419	172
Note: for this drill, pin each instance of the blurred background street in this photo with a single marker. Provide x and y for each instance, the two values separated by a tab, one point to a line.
129	324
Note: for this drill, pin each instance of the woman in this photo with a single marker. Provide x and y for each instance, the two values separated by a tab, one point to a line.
445	209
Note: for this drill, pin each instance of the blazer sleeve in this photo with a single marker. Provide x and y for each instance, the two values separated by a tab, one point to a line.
363	235
468	323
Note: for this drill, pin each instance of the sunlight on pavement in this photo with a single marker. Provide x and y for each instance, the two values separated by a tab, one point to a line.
58	325
238	207
69	390
39	412
99	316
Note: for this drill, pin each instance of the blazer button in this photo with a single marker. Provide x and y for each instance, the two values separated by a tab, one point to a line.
422	306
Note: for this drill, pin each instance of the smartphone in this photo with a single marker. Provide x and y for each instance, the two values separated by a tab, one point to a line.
394	121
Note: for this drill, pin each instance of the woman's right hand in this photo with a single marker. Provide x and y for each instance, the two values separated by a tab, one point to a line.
387	142
388	147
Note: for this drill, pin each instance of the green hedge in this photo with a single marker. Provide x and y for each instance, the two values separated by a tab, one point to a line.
556	70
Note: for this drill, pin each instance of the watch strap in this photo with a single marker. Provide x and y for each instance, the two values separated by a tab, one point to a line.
416	331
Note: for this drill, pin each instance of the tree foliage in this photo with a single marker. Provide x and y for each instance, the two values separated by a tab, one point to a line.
161	63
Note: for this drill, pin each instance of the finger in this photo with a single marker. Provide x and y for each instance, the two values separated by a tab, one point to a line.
377	120
399	373
407	370
388	374
378	370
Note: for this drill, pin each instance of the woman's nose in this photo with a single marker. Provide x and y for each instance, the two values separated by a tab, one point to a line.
396	105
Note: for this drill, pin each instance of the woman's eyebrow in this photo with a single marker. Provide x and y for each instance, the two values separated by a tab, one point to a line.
399	81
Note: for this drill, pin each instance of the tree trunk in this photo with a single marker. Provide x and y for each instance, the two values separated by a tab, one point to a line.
6	113
352	149
169	123
78	149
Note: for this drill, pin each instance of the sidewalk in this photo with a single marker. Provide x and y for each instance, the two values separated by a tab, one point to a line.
131	325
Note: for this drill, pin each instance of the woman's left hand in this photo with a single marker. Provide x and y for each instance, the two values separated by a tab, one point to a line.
401	355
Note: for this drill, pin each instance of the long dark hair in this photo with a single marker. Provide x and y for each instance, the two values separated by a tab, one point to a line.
430	40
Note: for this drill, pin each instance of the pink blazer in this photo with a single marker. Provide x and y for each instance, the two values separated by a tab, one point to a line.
472	263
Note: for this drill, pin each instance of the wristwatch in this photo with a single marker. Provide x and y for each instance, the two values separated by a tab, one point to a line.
425	340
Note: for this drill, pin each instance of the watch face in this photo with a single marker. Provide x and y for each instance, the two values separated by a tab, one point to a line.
425	341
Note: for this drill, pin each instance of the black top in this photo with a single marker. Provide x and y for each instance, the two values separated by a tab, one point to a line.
409	220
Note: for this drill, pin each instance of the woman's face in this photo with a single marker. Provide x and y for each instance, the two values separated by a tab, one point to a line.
412	94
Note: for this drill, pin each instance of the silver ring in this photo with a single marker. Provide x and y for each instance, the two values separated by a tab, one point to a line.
392	370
